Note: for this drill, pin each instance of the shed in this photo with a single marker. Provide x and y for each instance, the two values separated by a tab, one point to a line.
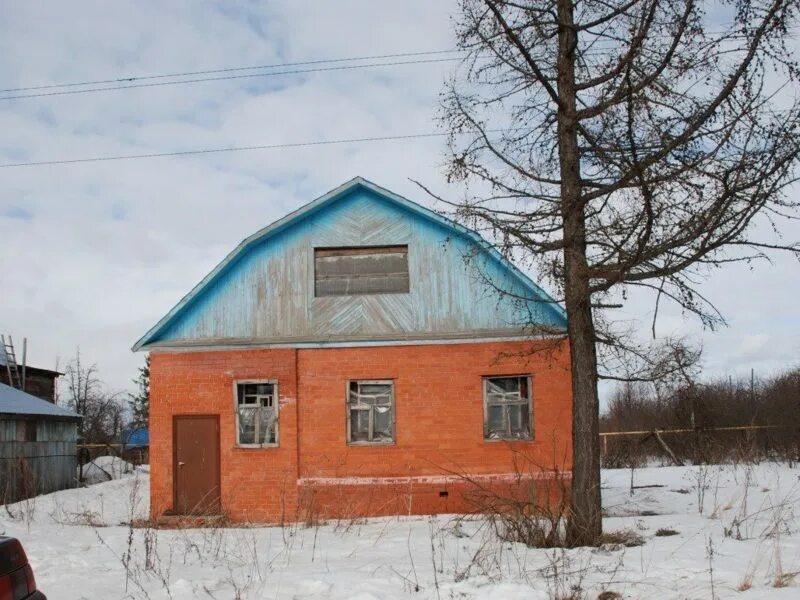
37	445
38	382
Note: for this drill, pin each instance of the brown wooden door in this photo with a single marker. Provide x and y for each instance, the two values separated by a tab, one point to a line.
196	468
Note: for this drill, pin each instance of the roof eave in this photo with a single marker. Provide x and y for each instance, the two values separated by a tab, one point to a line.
38	417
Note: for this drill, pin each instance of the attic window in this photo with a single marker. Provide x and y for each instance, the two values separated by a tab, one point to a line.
358	271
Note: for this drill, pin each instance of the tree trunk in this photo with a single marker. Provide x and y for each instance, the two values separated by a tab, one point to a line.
585	522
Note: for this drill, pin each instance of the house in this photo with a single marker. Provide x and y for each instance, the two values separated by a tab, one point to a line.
38	382
37	445
354	358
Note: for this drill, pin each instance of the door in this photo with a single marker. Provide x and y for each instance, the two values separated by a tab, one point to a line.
196	468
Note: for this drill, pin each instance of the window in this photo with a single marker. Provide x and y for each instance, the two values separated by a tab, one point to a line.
257	413
357	271
507	408
370	412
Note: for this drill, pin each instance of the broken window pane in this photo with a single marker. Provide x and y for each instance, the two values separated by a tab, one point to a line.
266	426
371	405
247	426
508	408
359	425
383	422
519	420
495	424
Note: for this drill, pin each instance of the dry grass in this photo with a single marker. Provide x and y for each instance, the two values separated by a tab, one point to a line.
665	532
784	579
621	537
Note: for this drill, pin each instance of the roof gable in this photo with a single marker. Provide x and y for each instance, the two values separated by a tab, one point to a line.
394	209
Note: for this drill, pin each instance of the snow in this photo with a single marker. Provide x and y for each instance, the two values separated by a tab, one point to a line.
106	468
737	526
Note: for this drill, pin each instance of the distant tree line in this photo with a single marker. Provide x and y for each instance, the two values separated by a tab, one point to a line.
105	412
703	407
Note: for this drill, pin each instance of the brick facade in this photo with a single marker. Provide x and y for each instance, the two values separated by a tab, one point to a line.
438	432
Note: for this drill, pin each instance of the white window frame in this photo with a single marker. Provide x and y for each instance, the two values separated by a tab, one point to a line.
485	390
276	405
350	441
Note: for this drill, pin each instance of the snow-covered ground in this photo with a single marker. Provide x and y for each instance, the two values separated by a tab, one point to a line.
105	468
738	535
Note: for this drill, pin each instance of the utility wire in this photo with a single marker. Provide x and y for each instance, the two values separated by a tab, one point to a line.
301	63
383	138
247	76
129	82
230	149
229	70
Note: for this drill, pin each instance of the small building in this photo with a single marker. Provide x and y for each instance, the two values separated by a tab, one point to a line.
38	382
37	446
135	445
362	356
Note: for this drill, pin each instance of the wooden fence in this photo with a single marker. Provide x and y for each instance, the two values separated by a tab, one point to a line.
621	448
138	455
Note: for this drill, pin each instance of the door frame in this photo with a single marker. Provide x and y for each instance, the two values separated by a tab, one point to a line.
175	419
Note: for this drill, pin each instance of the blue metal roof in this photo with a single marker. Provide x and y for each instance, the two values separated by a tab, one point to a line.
182	323
136	438
17	402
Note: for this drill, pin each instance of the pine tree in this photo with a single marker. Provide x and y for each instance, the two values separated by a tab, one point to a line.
140	402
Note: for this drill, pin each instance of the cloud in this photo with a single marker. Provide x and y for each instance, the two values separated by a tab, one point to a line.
94	254
18	212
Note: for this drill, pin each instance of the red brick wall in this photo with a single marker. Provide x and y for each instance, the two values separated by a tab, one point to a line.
438	431
202	383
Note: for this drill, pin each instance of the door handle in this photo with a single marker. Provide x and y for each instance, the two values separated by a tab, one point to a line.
180	464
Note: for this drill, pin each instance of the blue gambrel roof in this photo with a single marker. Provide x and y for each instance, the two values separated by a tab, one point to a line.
208	298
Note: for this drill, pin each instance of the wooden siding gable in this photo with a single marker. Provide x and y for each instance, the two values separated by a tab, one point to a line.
263	292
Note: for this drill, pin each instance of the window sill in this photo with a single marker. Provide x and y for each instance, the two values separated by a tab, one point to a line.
508	439
373	444
255	446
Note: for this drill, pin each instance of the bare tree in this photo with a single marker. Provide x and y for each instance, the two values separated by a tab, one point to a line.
102	411
617	145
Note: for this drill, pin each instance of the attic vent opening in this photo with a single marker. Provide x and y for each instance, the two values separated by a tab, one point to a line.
359	271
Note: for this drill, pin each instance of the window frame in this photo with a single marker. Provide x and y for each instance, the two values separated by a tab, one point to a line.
276	404
355	250
484	391
349	433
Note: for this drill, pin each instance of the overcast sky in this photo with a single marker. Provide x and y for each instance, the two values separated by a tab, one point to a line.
94	254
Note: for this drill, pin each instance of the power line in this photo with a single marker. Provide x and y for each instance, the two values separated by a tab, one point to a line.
248	76
129	81
229	70
384	138
230	149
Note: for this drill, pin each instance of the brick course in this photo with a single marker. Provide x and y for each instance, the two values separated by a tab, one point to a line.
438	430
